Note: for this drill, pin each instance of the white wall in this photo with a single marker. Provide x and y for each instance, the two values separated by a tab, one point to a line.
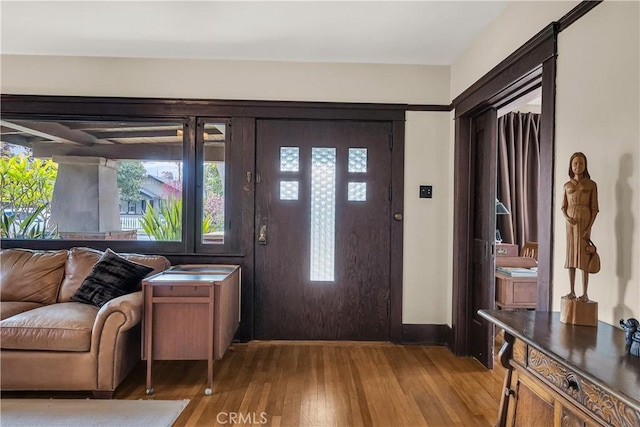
598	113
427	268
254	80
426	281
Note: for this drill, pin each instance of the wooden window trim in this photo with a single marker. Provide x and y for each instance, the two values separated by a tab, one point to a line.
243	116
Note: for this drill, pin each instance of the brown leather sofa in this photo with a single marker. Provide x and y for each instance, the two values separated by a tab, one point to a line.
52	343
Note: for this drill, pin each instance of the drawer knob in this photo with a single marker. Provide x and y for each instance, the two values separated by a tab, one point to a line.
572	383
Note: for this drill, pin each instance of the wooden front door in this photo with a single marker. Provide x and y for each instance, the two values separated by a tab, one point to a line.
484	141
323	219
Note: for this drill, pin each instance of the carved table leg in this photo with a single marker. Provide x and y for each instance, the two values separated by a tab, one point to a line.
506	353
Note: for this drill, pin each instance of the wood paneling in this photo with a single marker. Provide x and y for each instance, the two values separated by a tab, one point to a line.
426	334
72	107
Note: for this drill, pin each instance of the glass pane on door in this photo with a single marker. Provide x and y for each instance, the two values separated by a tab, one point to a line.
323	213
357	160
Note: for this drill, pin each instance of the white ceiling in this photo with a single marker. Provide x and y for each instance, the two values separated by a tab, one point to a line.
391	32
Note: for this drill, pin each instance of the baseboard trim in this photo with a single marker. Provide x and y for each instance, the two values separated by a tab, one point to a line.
430	334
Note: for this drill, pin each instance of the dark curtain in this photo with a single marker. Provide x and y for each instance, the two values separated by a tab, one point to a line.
518	173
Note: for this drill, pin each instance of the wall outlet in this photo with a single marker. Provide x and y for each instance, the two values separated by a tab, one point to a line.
426	191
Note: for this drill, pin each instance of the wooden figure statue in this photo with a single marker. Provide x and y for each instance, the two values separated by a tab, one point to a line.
579	207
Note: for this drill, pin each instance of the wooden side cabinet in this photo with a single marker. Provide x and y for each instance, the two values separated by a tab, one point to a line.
516	292
565	375
190	313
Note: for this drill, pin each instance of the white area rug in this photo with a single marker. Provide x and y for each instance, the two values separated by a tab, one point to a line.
89	412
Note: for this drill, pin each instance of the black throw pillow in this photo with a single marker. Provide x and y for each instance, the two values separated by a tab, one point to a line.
111	277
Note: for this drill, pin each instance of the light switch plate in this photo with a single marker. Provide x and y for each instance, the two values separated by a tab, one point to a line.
426	191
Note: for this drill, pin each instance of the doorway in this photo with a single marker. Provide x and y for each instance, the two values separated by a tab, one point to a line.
499	149
323	223
517	77
518	166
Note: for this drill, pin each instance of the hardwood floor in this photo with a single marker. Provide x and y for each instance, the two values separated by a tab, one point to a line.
283	383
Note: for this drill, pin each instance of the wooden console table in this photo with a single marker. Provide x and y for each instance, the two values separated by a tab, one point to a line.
191	312
561	374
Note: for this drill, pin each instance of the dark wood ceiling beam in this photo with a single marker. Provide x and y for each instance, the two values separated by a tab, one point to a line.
108	134
171	152
90	125
144	152
175	110
54	132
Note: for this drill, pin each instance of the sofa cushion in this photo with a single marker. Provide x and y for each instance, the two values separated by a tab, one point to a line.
57	327
79	264
33	276
111	277
9	308
81	261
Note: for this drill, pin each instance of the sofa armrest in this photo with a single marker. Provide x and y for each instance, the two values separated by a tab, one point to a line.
115	340
117	315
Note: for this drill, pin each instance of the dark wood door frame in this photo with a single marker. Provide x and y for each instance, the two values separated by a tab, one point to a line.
530	67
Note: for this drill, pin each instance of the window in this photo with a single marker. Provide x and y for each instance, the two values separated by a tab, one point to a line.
83	180
213	172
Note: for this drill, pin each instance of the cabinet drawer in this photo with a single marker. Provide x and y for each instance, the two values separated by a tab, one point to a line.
591	398
182	291
506	249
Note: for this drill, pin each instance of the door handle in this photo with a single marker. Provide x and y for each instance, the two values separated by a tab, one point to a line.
262	236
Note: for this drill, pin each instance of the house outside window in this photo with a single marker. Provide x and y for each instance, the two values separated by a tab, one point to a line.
107	180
